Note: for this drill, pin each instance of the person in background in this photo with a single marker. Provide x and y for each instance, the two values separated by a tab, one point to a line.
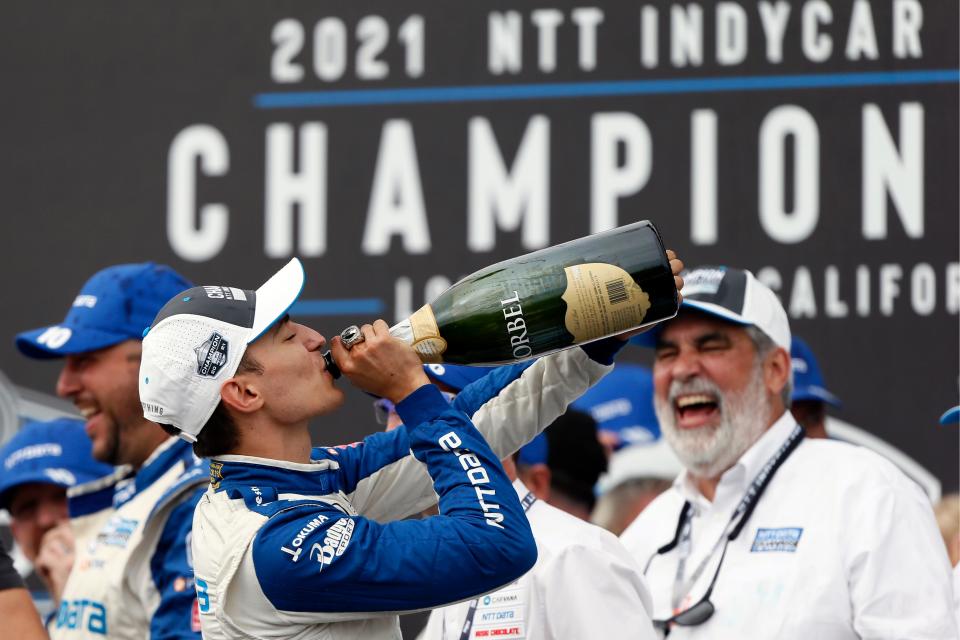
561	465
768	534
636	476
641	466
948	518
571	458
581	569
622	406
20	619
39	463
950	416
810	395
123	583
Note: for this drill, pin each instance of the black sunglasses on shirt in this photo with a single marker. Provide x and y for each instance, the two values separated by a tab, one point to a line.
697	613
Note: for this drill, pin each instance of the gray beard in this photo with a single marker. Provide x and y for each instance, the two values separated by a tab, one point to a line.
707	452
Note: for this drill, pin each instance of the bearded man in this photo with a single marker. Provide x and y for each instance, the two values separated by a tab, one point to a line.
766	534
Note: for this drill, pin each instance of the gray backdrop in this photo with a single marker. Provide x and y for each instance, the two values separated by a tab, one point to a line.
397	146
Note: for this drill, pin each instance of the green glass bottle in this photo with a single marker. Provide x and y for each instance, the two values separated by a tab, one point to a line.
552	299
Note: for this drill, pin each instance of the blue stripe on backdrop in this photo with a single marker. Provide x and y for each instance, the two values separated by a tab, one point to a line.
481	93
337	307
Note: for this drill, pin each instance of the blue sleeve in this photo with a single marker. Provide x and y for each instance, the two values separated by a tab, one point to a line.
172	570
480	541
362	459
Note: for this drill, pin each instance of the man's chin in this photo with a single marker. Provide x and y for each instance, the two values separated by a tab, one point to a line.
105	457
331	400
105	451
696	448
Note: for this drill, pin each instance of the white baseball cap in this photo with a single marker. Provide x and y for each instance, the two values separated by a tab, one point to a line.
640	461
197	340
734	295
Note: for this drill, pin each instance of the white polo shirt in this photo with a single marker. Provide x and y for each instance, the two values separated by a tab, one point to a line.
840	546
584	585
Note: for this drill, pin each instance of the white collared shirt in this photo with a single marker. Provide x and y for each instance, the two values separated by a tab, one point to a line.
584	585
840	546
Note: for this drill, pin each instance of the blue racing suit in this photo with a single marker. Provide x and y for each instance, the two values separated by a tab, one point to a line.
280	551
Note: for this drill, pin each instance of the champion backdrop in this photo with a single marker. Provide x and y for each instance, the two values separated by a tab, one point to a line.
396	146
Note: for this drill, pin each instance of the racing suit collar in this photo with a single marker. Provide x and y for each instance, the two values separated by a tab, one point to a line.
274	478
163	458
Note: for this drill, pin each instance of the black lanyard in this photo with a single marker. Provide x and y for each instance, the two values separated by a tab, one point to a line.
738	520
526	502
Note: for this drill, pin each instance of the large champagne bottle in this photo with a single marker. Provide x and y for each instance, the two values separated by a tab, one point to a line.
548	300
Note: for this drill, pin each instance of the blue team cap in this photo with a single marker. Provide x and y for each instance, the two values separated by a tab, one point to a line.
807	378
951	416
622	403
55	452
535	451
455	376
116	304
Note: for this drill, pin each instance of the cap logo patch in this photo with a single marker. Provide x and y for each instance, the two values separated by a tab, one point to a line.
84	300
211	355
702	282
61	476
799	365
43	450
611	409
224	293
55	337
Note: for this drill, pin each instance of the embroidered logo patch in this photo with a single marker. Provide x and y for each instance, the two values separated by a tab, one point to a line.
703	281
785	539
211	355
116	533
216	474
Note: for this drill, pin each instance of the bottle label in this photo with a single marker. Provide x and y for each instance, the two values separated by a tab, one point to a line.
427	341
602	299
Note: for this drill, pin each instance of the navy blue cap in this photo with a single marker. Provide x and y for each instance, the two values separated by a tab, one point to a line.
55	452
622	403
116	304
950	416
535	452
807	379
455	376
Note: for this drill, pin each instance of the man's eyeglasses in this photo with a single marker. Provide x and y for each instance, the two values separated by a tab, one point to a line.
382	408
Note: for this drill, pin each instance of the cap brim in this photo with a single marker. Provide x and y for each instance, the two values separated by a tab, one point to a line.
951	416
816	393
649	338
33	476
81	340
276	296
654	460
